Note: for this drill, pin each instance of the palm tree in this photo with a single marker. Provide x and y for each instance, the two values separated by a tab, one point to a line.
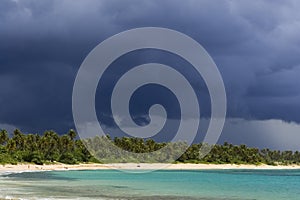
19	139
72	134
49	145
3	137
31	143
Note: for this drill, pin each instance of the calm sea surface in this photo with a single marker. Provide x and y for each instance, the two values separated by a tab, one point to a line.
166	184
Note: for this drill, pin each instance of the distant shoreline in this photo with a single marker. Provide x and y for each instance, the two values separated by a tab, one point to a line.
134	166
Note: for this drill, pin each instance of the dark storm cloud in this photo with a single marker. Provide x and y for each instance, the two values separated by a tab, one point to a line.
256	46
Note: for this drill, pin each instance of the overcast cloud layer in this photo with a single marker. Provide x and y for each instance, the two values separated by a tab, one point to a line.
256	46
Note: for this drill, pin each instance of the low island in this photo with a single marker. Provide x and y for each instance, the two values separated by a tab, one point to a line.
51	151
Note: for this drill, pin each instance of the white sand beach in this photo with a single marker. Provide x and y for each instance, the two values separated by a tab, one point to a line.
135	166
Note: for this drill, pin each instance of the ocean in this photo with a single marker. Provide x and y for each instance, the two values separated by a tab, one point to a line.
163	184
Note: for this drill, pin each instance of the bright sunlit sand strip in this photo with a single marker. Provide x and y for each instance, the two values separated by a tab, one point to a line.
135	166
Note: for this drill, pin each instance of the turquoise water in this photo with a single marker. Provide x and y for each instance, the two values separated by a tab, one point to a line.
167	184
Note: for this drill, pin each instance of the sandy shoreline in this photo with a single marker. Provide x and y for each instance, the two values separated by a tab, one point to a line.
135	166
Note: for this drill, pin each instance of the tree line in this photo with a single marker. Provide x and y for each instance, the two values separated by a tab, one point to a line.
51	147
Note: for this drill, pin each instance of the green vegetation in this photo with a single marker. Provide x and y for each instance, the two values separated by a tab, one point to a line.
48	148
51	147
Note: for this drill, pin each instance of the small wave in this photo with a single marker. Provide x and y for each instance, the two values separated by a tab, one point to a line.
41	198
11	198
5	173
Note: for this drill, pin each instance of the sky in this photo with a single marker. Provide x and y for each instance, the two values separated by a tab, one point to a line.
255	44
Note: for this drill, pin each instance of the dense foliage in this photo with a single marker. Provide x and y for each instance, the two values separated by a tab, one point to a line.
51	147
